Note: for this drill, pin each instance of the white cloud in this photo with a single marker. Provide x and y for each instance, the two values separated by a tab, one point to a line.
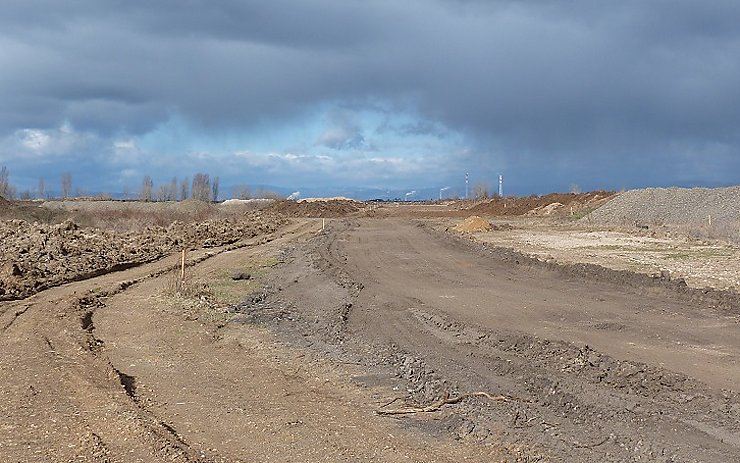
32	143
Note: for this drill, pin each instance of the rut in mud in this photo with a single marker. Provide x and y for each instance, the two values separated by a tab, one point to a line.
593	370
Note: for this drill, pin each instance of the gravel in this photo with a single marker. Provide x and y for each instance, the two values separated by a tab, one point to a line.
652	207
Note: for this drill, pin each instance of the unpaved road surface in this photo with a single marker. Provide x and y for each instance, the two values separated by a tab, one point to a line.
113	369
370	316
594	370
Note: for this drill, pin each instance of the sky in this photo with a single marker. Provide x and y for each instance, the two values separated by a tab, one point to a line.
345	95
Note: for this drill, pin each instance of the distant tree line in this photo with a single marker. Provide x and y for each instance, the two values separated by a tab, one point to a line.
203	187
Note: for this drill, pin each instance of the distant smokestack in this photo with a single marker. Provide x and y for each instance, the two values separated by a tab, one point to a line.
501	186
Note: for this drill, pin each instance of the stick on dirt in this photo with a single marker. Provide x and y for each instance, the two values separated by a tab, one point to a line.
439	403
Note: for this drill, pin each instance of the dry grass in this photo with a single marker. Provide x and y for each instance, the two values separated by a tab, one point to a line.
723	231
128	218
123	216
186	287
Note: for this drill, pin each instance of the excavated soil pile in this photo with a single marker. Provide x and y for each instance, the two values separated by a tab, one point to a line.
37	256
473	224
551	204
28	210
317	208
550	209
671	206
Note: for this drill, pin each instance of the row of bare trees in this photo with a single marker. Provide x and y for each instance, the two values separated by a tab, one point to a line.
8	191
203	188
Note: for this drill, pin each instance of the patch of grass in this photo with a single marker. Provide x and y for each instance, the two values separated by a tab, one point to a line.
228	291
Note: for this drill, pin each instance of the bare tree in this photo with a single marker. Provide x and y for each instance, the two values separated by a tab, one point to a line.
147	189
214	188
41	193
173	190
480	191
241	192
267	194
66	185
201	189
184	189
163	192
5	188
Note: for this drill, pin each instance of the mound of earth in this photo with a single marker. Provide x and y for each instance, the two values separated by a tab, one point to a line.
520	206
327	208
550	209
29	210
37	256
473	224
671	206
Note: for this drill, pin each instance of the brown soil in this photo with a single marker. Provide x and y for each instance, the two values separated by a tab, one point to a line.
30	211
473	224
335	327
545	205
37	256
596	365
118	369
319	208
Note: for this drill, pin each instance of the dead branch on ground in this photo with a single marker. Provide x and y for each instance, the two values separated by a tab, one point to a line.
439	403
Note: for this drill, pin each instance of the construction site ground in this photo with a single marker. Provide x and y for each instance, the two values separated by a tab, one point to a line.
385	336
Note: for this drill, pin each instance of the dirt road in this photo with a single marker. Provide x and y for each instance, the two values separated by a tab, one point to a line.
345	329
595	371
117	369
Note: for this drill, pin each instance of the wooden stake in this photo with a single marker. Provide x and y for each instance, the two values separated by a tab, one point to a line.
182	265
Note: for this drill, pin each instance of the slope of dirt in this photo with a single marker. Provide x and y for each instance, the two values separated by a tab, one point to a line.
569	203
588	369
38	256
317	208
30	211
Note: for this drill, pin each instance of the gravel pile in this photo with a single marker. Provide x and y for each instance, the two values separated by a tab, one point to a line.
671	206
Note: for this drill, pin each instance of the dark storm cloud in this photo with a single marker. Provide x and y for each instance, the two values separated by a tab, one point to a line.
551	86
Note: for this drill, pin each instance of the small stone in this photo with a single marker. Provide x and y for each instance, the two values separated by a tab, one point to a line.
236	276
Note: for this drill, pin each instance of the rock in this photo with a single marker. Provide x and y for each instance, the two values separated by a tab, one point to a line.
237	276
15	270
